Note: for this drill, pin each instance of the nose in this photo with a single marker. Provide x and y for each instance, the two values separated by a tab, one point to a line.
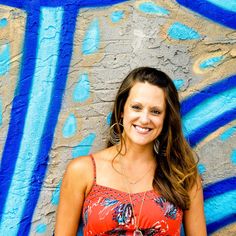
144	117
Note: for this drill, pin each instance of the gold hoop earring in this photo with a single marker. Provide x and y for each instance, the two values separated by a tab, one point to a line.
156	146
114	137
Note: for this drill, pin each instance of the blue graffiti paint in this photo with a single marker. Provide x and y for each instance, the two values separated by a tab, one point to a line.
151	8
18	116
216	120
227	134
219	13
40	100
208	110
41	228
0	112
109	118
56	195
233	157
178	83
230	5
3	22
219	189
4	59
201	168
70	127
210	62
220	207
91	40
84	146
28	4
116	16
82	89
180	31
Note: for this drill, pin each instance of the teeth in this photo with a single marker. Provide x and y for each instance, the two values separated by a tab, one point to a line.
142	129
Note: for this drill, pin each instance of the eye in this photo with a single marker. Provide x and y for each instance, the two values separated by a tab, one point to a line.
155	112
136	107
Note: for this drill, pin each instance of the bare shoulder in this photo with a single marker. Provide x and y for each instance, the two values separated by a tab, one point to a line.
79	172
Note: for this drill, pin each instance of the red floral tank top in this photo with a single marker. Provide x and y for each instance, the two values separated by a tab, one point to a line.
107	211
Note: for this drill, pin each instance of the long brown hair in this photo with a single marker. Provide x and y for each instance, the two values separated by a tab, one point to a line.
176	170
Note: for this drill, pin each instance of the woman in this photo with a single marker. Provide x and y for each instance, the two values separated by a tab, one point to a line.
146	181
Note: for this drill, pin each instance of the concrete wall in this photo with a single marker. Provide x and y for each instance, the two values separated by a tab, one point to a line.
61	63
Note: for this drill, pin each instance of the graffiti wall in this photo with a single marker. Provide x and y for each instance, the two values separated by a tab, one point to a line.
61	63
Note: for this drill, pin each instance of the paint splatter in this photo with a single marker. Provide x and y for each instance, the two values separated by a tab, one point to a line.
82	90
201	168
230	5
56	195
109	118
116	16
180	31
227	134
41	228
91	40
70	126
178	83
151	8
4	59
3	22
233	157
210	62
84	146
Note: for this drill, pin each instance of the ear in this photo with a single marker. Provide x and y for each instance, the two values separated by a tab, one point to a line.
122	115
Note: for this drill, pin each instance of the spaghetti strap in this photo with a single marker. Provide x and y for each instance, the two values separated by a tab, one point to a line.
94	168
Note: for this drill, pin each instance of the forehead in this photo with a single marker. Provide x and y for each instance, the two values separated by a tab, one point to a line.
147	93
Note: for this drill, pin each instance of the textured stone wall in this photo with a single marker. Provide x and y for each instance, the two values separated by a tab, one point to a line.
61	63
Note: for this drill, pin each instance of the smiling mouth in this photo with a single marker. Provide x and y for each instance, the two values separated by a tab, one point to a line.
142	129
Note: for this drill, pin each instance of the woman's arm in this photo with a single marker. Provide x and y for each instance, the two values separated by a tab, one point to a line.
72	195
194	219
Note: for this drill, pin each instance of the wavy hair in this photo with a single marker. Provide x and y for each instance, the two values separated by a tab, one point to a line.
176	170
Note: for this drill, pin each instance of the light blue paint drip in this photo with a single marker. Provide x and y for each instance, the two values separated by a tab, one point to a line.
56	195
0	112
39	100
180	31
233	157
209	110
70	126
178	83
84	146
227	134
4	59
201	168
229	5
116	16
82	90
91	41
109	118
3	22
41	228
211	62
220	206
151	8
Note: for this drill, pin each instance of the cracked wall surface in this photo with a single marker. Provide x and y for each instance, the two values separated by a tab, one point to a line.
61	65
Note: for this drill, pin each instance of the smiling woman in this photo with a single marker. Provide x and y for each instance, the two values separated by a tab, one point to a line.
145	182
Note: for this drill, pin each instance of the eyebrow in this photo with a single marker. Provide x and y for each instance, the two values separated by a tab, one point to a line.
154	107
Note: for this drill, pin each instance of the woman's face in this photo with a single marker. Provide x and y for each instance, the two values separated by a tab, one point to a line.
144	114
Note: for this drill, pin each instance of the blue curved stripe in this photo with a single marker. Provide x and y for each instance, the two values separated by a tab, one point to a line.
190	102
230	5
19	108
219	188
28	5
212	11
219	197
209	110
220	207
41	91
